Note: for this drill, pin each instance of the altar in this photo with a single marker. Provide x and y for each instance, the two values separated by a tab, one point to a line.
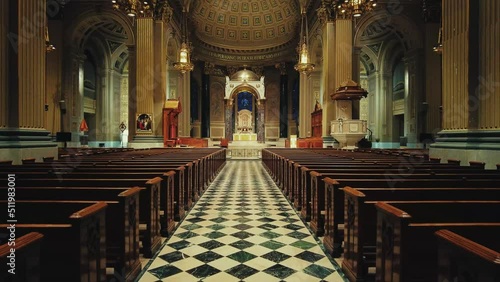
245	136
244	126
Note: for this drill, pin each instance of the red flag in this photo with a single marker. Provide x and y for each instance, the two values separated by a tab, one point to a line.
84	126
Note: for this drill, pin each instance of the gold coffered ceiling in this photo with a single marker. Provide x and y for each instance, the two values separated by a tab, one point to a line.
253	32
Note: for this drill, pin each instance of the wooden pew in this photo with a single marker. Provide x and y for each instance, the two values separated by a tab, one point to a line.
333	202
406	245
74	237
149	206
302	180
25	266
468	255
360	222
182	179
122	221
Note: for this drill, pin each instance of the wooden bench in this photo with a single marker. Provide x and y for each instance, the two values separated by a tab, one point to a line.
465	255
122	221
25	266
360	221
333	203
149	206
406	246
74	237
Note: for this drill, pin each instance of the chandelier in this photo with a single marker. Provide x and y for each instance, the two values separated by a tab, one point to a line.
354	8
184	64
135	8
304	65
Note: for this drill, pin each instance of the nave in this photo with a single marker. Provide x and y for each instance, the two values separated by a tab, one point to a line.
242	229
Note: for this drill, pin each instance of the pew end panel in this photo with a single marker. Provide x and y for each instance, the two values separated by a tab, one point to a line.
460	257
150	214
390	222
332	239
27	258
317	223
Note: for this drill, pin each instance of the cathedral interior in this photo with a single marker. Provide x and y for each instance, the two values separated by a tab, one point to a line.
102	73
105	103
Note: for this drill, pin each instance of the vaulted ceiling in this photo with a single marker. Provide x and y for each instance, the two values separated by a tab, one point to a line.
251	32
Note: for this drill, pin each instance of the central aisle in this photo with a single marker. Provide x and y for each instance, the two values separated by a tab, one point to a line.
242	229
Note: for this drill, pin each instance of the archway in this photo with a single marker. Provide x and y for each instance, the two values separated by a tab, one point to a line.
387	45
245	107
96	75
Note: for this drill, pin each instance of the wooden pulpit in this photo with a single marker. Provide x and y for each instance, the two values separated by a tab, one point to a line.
171	110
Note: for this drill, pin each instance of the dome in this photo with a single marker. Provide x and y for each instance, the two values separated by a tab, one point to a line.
245	31
245	75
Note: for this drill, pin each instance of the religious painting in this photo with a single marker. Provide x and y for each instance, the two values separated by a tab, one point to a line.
245	101
144	123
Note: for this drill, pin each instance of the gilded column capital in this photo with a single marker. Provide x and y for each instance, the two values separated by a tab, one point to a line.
325	12
163	12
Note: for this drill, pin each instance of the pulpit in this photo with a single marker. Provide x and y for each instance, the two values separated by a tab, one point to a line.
171	110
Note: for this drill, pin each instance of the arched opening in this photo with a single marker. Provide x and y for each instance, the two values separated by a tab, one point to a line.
97	78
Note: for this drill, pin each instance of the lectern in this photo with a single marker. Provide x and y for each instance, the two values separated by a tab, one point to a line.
171	110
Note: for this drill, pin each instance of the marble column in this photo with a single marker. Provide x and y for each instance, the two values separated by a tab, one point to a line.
261	108
229	119
22	77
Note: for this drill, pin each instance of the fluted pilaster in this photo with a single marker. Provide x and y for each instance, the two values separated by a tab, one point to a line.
160	72
185	95
328	77
144	67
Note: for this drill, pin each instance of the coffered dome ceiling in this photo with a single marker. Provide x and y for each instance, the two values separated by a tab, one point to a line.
249	32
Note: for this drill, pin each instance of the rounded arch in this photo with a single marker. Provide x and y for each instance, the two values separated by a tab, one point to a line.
383	24
89	20
99	51
390	52
369	59
244	88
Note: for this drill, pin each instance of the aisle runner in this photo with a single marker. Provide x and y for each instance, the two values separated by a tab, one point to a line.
242	229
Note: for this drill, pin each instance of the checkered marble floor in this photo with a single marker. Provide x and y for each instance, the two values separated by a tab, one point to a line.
242	229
